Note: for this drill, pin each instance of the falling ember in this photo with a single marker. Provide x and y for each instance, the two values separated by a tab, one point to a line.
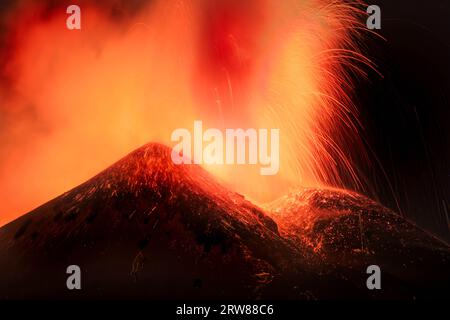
77	101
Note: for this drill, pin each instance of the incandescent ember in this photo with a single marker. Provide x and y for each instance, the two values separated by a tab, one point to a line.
147	228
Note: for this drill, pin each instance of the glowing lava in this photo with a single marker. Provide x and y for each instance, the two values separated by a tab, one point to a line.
78	100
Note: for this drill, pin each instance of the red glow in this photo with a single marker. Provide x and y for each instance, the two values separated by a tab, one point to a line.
79	100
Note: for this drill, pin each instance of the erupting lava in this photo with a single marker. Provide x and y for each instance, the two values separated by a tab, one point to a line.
78	100
147	228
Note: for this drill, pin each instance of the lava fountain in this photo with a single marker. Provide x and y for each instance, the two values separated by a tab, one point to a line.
74	101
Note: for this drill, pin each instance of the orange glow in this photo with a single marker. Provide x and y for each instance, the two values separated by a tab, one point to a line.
80	100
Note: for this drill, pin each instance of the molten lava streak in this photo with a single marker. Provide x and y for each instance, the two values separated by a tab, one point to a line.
76	101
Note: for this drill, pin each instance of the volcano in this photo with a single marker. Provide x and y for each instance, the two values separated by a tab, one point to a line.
149	229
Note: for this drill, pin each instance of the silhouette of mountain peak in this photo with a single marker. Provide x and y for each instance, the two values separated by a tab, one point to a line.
148	228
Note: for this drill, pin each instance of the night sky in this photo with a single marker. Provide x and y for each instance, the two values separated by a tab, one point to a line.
406	114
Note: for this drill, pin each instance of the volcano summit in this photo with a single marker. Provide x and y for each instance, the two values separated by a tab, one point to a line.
147	228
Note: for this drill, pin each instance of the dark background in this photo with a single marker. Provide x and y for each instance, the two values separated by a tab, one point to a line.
406	114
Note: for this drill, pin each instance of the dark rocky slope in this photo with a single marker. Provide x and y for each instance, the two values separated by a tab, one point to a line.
146	228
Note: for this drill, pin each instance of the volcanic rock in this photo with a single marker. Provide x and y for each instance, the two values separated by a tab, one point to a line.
147	228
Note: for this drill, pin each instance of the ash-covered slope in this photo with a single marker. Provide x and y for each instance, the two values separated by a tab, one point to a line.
146	228
348	232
